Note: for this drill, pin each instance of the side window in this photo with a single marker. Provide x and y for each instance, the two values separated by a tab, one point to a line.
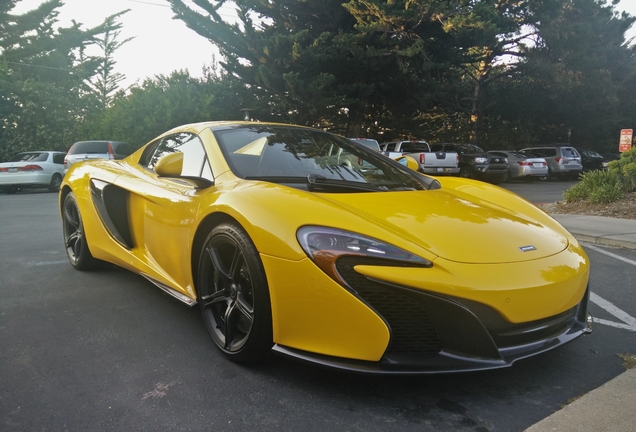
58	158
390	147
146	156
195	162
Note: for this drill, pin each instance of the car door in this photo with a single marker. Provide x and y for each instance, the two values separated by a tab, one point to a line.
165	209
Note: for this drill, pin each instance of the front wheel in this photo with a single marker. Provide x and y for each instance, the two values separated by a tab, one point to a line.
233	295
465	173
74	239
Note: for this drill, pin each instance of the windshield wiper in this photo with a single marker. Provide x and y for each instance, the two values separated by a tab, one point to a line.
317	181
320	182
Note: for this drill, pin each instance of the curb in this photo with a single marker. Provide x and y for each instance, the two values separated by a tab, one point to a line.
603	241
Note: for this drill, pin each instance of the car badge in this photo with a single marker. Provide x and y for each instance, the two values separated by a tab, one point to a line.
527	248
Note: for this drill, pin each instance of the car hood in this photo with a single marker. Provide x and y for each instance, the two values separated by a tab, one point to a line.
470	224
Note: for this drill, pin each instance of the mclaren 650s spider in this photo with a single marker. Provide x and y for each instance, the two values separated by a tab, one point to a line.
300	242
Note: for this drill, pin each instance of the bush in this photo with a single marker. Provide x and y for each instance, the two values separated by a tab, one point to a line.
598	186
606	194
625	169
606	186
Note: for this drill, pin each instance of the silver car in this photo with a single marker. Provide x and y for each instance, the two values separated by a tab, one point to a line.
100	149
32	169
564	162
522	166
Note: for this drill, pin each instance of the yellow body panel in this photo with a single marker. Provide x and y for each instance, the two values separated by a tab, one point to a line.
311	312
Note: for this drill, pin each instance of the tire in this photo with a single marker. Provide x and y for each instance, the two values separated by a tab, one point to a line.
233	295
465	173
56	182
497	179
11	190
506	177
74	239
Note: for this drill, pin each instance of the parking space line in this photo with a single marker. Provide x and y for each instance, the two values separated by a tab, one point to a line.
603	251
629	321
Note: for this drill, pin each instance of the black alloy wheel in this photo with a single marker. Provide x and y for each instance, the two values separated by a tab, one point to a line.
56	182
233	295
74	239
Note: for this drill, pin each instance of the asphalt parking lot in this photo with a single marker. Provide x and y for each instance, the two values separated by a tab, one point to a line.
106	350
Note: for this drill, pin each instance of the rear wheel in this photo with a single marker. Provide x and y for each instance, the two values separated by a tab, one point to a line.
506	176
74	239
56	182
233	295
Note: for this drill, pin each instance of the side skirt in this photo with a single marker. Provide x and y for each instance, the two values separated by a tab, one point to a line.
174	293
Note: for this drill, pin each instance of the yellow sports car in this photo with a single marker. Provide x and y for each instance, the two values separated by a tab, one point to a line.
298	241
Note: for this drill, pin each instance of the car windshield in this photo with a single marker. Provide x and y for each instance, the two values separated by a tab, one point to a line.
471	148
30	157
315	158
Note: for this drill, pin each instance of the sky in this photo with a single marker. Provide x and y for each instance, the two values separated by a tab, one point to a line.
161	44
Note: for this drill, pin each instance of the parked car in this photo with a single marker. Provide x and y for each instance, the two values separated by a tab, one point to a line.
564	161
522	166
367	266
475	163
85	150
371	143
608	157
431	162
32	169
590	160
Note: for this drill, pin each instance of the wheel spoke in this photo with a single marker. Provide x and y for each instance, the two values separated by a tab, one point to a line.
237	259
219	269
73	239
230	324
214	298
245	307
71	216
238	322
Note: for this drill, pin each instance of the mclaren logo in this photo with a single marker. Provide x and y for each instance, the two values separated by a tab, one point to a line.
527	248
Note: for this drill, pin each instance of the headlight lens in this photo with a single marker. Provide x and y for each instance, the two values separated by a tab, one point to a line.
325	245
481	160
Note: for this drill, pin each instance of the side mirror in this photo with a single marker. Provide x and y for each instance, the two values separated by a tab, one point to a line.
170	165
409	162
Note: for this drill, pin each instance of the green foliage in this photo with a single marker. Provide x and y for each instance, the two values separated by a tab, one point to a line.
164	102
43	76
605	186
625	168
606	194
600	186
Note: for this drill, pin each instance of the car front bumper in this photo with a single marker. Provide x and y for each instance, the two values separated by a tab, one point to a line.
464	336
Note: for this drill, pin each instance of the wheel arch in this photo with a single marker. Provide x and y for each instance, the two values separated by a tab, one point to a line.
64	191
204	228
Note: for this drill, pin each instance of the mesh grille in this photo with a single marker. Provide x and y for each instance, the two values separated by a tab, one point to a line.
412	330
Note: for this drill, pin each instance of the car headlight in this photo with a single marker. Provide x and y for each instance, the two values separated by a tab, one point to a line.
481	160
325	245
